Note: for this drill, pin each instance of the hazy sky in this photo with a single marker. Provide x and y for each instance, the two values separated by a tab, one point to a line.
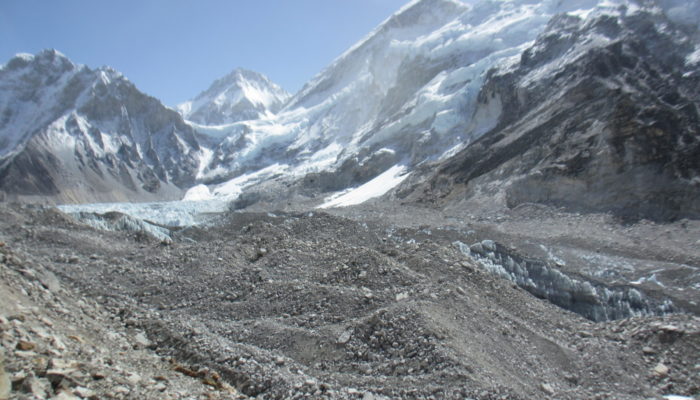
173	49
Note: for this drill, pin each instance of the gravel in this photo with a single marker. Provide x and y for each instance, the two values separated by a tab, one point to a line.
304	305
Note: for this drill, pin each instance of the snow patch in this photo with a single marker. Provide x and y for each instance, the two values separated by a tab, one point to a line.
374	188
694	57
233	188
198	192
676	397
651	278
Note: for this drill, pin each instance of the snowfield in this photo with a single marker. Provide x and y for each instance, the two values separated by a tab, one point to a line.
374	188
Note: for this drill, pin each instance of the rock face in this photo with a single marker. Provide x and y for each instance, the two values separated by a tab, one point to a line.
602	115
72	134
239	96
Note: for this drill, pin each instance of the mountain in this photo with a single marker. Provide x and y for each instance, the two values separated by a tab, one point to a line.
239	96
522	155
603	116
404	95
69	133
468	90
439	86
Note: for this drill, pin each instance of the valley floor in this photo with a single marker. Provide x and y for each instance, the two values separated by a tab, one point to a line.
367	302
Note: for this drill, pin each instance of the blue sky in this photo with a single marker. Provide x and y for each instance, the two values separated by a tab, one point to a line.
173	49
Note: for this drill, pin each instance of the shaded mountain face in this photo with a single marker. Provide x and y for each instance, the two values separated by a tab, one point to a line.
602	115
239	96
72	134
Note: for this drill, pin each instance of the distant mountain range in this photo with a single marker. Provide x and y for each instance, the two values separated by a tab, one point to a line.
586	104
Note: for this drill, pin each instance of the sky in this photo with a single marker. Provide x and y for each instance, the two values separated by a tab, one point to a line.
174	49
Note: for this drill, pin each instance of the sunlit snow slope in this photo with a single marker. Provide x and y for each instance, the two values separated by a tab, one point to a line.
239	96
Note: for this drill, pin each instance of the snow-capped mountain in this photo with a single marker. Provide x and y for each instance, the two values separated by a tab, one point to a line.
421	88
404	95
239	96
603	113
69	133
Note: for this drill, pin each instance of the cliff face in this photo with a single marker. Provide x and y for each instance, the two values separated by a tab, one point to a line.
598	115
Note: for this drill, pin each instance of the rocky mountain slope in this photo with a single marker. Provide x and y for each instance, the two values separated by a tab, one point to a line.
239	96
69	133
440	77
602	117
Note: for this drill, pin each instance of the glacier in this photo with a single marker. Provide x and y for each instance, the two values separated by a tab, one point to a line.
173	214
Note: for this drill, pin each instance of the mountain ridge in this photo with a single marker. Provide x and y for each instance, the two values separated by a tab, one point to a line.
88	135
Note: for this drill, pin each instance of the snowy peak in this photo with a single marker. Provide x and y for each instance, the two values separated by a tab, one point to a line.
49	59
419	12
239	96
76	134
36	90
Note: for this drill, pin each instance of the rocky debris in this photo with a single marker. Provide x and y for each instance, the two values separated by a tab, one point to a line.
5	384
661	370
61	345
547	389
597	248
333	308
666	345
